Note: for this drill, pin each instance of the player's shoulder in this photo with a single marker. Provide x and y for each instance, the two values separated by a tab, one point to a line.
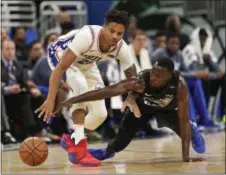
94	29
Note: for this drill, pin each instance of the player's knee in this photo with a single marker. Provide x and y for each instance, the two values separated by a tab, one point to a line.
95	119
100	113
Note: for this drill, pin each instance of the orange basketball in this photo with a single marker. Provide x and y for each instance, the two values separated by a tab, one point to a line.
33	151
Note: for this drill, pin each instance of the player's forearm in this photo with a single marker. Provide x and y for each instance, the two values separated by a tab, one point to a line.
185	129
54	83
100	94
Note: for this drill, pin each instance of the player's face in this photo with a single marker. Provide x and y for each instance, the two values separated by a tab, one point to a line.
159	77
113	32
173	44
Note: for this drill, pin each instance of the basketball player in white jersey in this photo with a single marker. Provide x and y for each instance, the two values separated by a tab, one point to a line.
73	59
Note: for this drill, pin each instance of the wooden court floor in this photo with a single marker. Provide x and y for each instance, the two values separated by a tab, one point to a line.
149	156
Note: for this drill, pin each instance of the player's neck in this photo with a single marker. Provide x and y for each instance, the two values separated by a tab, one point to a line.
104	46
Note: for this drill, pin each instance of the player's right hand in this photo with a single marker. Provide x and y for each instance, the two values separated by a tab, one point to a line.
46	109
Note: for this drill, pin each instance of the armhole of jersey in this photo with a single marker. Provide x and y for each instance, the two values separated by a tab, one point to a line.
120	45
93	37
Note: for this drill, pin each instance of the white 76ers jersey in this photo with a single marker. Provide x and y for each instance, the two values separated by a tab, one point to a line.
84	43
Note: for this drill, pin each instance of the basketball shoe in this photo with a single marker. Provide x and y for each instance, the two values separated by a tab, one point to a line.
198	142
78	154
101	154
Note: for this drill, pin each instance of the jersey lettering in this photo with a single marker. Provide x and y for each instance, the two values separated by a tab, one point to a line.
89	59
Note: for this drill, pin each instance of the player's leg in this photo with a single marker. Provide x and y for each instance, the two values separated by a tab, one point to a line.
128	127
76	142
97	112
171	121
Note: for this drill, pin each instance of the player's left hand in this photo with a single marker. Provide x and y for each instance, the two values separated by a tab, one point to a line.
197	159
46	110
131	103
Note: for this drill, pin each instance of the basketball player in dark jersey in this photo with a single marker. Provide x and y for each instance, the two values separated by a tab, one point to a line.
159	91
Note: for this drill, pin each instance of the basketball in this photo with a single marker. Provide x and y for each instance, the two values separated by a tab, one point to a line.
33	151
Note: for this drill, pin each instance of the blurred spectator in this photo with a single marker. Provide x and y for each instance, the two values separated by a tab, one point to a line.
138	49
52	37
198	55
131	30
35	52
197	100
158	42
5	126
17	90
19	37
40	77
4	34
173	25
65	22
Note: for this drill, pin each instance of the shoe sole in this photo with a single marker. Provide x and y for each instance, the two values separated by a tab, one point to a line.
72	157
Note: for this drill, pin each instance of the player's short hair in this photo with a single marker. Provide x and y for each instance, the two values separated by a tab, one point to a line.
118	16
165	62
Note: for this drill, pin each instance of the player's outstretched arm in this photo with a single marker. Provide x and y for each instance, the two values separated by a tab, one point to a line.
122	87
183	113
47	108
185	126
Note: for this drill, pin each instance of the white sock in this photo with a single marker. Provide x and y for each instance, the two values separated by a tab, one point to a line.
78	133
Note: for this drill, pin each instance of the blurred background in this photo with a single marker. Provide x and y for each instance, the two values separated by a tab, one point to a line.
32	25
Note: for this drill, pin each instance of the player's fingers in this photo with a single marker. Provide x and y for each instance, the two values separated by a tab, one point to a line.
137	113
50	120
123	107
130	107
41	113
46	116
39	109
49	115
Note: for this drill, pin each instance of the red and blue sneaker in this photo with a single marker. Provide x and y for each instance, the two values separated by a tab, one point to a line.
78	154
101	154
